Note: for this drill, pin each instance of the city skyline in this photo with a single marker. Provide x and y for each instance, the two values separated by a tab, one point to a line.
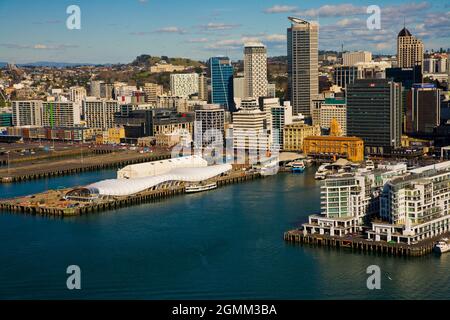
118	32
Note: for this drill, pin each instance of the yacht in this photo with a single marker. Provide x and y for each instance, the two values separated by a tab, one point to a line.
193	188
442	246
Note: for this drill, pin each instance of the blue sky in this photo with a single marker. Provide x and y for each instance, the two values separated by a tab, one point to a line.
117	31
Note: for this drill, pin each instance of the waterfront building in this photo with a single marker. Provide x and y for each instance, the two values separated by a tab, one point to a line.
184	84
374	114
350	201
27	113
423	109
409	50
295	133
60	114
351	148
351	58
152	91
250	131
324	111
222	82
281	117
99	113
209	125
415	206
255	70
303	64
203	92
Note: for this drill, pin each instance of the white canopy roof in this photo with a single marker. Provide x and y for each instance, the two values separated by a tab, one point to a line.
125	187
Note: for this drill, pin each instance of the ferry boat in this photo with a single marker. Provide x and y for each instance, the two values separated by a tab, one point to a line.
442	246
298	167
193	188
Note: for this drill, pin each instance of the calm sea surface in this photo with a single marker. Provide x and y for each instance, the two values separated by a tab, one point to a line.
223	244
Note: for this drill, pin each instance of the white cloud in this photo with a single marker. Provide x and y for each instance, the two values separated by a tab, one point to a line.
214	26
171	29
280	9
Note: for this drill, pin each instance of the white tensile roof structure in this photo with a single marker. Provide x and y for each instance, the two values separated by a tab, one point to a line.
126	187
160	167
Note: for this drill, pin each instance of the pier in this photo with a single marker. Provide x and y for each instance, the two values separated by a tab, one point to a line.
362	245
52	202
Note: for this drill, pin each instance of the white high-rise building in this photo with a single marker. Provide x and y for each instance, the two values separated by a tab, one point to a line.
27	113
351	58
255	70
250	131
184	84
99	113
303	64
60	114
77	94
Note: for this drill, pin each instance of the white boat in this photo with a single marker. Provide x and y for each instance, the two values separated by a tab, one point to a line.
442	246
270	168
322	172
193	188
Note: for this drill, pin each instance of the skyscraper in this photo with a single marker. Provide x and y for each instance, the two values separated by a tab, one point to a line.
423	109
222	82
374	114
409	50
255	70
303	64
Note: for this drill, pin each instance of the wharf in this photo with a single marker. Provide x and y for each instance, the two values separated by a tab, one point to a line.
52	203
74	166
362	245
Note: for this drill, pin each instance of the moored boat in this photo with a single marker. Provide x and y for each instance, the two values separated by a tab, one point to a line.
193	188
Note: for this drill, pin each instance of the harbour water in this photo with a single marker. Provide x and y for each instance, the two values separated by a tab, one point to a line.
222	244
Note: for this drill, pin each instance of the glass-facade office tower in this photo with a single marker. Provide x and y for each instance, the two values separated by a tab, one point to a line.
303	64
374	113
222	82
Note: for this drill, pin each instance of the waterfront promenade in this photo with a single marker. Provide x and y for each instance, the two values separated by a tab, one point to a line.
22	172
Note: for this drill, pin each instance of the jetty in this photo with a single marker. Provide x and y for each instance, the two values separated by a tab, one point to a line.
359	244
